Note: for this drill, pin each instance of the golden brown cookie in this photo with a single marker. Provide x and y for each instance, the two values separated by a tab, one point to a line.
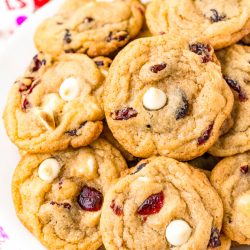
231	178
57	103
221	22
59	196
162	204
166	95
236	70
92	27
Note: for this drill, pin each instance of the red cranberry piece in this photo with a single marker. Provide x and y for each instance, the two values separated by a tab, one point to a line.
182	111
206	135
26	104
23	87
116	209
236	87
214	238
124	114
90	199
216	17
31	88
37	63
152	204
162	33
158	67
202	50
244	169
139	168
67	36
118	36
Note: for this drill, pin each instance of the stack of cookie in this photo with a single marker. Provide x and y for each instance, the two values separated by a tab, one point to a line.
173	102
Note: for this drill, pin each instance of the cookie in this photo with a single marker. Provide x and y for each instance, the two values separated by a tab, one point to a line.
231	178
162	204
90	26
56	104
221	22
59	196
166	95
236	70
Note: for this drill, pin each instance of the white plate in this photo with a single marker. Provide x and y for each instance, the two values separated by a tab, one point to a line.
13	61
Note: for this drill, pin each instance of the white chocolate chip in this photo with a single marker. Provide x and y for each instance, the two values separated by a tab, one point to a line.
154	99
243	203
49	170
46	117
145	1
85	166
52	102
178	232
69	89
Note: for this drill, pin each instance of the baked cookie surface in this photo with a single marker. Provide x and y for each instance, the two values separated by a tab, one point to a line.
231	178
57	103
236	71
246	39
166	95
91	27
221	22
59	196
162	204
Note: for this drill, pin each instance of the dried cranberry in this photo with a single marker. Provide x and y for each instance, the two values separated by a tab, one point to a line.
88	19
183	109
124	114
37	63
26	104
116	209
236	87
90	199
206	135
216	17
214	238
118	36
67	36
202	50
139	168
244	169
158	67
23	87
99	63
33	86
152	205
